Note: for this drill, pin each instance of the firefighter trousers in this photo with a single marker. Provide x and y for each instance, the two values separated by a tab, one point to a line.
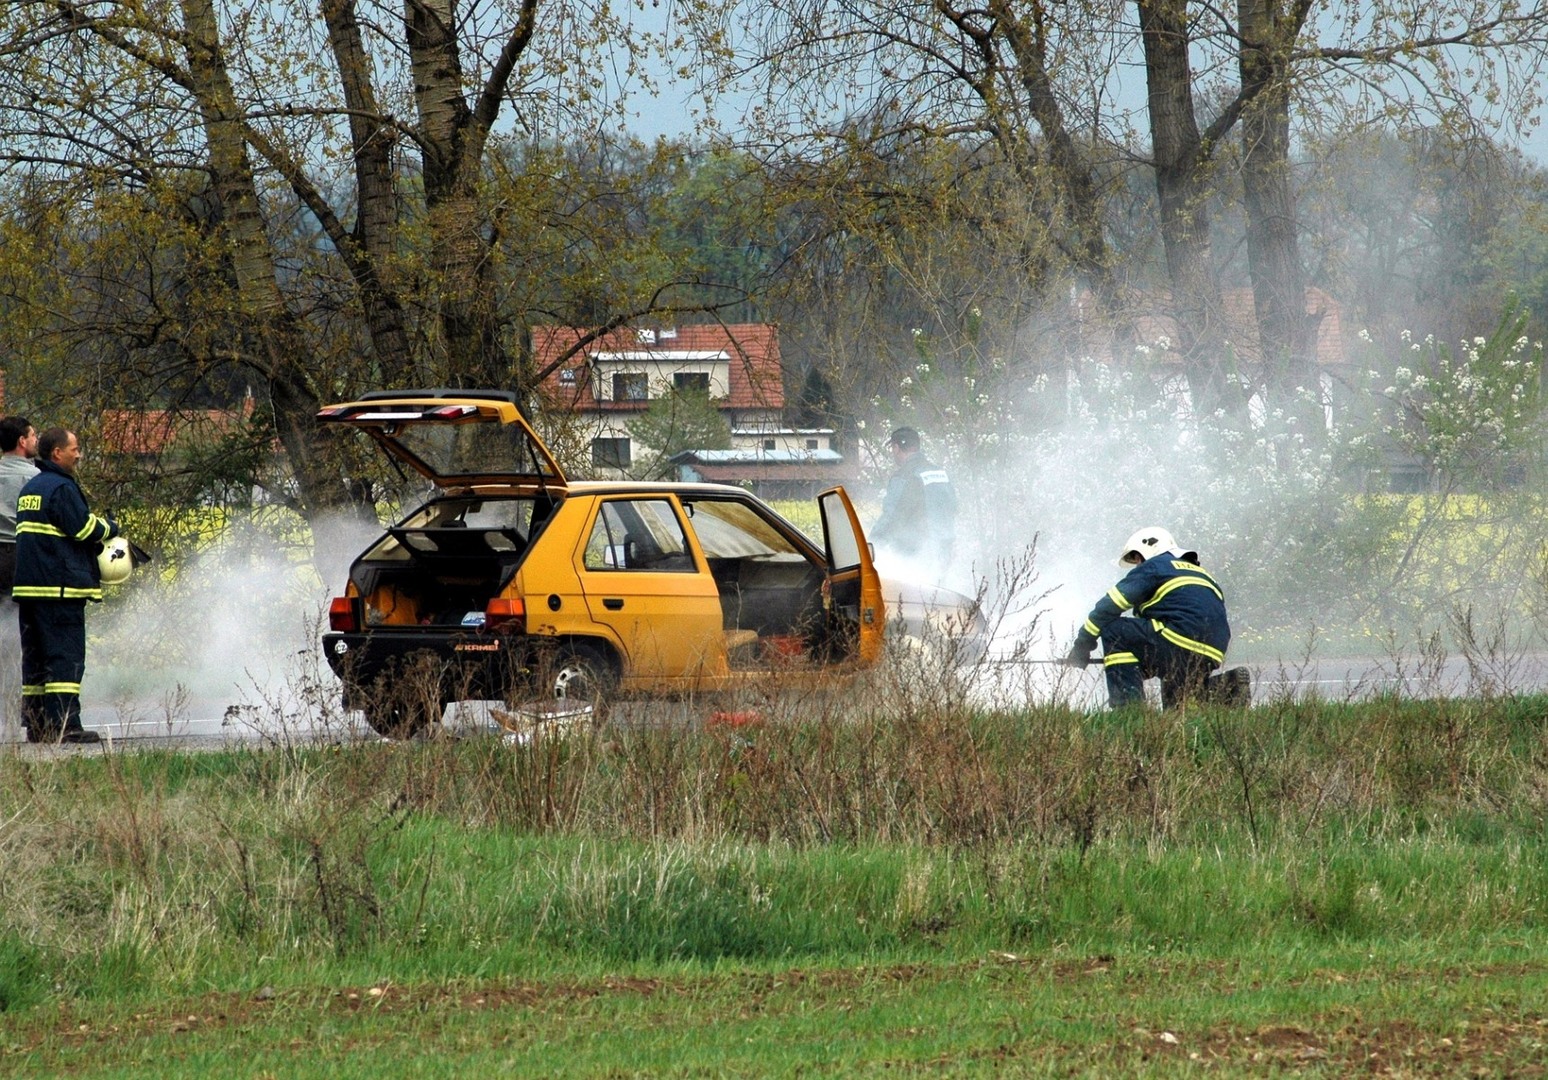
53	648
1134	650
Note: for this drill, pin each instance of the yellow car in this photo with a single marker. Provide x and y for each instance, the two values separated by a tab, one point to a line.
512	582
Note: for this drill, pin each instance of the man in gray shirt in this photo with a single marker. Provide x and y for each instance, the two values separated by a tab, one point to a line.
18	446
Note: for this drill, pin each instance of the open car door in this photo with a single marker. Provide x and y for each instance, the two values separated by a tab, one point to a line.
853	594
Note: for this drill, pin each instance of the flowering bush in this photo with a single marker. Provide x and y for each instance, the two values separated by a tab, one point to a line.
1468	413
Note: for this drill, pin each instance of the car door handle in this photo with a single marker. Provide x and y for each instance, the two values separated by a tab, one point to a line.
613	604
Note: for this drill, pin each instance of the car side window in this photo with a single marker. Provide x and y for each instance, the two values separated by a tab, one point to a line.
733	530
638	534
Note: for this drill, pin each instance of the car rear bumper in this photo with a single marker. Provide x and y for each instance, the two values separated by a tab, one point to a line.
466	666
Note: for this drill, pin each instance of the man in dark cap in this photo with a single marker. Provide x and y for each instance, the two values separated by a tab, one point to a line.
919	510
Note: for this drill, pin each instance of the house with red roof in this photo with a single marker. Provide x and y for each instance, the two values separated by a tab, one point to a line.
609	379
147	434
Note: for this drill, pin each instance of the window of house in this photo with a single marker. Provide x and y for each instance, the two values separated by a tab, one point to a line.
811	444
697	381
567	376
610	453
768	444
631	386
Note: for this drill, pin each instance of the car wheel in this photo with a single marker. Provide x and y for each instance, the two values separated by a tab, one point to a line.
400	720
583	675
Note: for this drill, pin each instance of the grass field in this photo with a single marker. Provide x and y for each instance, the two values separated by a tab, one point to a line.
893	887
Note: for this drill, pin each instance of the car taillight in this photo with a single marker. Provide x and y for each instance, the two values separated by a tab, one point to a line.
509	614
341	614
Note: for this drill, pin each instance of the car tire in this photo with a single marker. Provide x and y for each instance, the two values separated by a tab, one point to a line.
582	673
400	720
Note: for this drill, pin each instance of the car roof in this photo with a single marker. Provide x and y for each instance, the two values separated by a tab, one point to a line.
602	487
678	487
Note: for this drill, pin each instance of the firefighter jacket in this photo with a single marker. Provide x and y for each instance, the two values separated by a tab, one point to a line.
57	539
1181	600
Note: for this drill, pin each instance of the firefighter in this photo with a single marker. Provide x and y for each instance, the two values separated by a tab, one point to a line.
57	541
1178	630
919	509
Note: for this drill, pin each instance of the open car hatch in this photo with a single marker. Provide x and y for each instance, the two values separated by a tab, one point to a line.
457	438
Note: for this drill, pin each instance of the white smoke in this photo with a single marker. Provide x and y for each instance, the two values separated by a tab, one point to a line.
228	633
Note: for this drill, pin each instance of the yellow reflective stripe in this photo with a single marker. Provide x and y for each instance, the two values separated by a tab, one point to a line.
1113	659
93	522
62	688
32	691
1118	598
1092	628
39	528
1177	583
54	592
1192	646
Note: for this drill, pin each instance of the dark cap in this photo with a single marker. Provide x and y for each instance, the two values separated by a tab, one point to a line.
904	438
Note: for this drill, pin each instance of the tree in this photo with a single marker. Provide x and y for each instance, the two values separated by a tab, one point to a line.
324	220
681	419
1036	87
1419	233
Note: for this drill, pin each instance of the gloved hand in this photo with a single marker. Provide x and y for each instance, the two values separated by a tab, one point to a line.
1079	655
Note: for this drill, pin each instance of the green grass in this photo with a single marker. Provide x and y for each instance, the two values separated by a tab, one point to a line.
895	889
1327	1009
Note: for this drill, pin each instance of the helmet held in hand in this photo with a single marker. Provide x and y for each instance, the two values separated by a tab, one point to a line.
115	561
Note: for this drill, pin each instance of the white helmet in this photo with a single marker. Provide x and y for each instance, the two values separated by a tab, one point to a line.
114	561
1148	543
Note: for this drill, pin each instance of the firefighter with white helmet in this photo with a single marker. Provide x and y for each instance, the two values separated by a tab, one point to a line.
1178	631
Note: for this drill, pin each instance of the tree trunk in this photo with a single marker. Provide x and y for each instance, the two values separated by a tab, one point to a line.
279	348
1182	165
1081	204
1286	335
469	341
375	233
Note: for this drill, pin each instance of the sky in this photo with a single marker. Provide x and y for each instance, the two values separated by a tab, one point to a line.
671	113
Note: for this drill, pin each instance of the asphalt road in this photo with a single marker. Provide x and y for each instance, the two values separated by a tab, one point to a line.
210	722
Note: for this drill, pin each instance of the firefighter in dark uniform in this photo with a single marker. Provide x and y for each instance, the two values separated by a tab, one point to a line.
1178	631
919	509
57	541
